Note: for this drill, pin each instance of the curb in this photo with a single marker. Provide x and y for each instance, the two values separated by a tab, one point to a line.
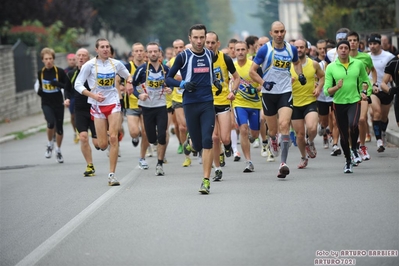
25	133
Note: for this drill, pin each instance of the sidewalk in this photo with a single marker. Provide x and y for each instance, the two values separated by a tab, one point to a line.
34	123
26	126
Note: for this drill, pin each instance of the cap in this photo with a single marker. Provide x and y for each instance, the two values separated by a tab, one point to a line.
343	42
374	38
70	56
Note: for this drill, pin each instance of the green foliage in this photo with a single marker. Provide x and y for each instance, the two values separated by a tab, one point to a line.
362	16
29	38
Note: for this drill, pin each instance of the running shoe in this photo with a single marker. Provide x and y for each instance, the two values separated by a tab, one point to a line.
89	170
256	143
112	181
228	153
364	153
249	168
380	145
356	160
159	170
154	146
172	130
321	130
135	142
326	144
221	160
180	149
165	160
237	156
218	175
368	137
283	171
149	151
293	138
335	150
263	151
76	138
49	152
348	168
59	157
303	163
270	156
143	164
205	186
186	146
187	162
274	147
311	150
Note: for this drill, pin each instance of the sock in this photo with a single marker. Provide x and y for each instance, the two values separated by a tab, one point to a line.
57	149
384	125
50	143
160	162
227	147
233	137
377	129
285	145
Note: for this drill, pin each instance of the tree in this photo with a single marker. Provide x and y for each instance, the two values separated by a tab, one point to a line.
73	13
328	16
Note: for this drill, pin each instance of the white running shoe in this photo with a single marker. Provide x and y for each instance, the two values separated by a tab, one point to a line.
256	143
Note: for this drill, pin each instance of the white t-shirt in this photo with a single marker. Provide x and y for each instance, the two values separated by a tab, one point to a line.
380	61
100	76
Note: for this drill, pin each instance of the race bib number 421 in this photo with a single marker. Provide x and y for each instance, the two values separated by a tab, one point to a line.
105	81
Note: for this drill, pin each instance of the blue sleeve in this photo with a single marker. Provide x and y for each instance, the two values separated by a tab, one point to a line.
294	53
260	55
170	80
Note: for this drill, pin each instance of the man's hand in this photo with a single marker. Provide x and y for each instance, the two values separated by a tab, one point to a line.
129	88
143	96
268	85
188	86
302	79
218	86
67	102
99	97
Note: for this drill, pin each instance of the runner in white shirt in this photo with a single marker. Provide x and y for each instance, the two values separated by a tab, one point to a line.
380	100
100	73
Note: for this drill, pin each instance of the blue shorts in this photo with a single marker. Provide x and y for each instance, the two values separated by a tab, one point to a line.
248	116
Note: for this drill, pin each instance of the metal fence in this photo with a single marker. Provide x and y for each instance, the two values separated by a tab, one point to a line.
24	65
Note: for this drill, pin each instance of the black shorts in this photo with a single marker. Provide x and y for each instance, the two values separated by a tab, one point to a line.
324	108
171	110
176	105
301	111
220	109
84	122
155	123
385	98
273	102
134	112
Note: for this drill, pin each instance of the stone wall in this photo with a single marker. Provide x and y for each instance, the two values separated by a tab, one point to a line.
14	105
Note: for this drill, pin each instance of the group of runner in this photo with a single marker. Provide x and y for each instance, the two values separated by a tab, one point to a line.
258	88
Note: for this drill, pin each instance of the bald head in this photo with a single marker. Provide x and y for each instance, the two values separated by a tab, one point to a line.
82	56
277	24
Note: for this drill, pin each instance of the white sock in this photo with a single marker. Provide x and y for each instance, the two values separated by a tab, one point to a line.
233	135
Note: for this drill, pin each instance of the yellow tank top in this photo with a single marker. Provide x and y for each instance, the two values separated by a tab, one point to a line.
176	95
243	99
222	74
131	101
303	95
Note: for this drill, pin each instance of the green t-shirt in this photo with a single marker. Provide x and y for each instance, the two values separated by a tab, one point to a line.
352	77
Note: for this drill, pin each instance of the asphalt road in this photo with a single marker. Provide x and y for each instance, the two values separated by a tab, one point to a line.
51	215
